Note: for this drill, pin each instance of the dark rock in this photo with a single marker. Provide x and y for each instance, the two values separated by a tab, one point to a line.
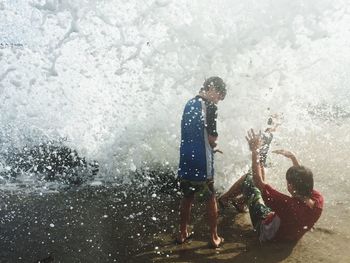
50	161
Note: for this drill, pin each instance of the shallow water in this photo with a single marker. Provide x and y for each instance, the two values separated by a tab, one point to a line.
114	224
94	224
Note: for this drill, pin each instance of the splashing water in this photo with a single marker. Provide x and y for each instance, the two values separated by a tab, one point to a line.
113	77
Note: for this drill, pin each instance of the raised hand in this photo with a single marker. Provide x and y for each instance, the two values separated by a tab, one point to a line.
285	153
288	154
254	140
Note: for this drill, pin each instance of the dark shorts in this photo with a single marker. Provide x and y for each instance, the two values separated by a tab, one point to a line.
202	190
257	209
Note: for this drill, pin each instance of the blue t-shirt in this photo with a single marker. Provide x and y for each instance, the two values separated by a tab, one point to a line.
196	155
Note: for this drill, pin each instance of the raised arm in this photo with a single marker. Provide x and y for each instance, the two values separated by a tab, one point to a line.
289	155
254	141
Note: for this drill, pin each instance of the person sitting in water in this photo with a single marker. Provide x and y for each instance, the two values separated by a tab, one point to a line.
274	215
267	137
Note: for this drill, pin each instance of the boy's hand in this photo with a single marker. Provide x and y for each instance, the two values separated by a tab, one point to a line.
285	153
218	151
212	141
289	155
254	140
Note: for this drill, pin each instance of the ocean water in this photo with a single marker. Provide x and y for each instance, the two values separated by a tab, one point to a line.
113	76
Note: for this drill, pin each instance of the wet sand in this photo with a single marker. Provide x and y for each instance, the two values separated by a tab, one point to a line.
118	224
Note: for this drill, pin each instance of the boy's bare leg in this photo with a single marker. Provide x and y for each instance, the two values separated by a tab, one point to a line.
234	191
240	203
185	214
212	212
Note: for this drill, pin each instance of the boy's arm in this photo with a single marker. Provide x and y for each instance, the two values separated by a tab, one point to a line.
254	141
212	140
289	155
211	126
262	172
213	143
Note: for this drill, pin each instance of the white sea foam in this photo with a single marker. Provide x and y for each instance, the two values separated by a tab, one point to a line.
113	76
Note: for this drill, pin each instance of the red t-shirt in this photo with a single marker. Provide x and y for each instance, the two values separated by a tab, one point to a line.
296	217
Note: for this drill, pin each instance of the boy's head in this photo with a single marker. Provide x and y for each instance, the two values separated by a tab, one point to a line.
214	88
300	181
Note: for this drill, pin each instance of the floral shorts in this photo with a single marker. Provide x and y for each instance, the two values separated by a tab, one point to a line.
202	190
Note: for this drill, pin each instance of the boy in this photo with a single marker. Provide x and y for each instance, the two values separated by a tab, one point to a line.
232	194
198	142
276	216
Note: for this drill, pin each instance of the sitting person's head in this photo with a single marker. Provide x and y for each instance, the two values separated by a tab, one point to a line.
300	181
214	89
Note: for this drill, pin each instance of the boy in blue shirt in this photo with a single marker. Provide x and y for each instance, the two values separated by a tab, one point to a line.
198	143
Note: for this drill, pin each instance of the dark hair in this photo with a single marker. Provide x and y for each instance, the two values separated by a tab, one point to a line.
301	178
215	82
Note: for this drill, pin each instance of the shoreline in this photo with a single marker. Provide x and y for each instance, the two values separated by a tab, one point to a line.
116	224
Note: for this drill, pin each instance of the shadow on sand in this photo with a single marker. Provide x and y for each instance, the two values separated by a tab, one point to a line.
241	244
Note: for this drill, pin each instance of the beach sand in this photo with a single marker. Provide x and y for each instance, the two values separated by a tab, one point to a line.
123	224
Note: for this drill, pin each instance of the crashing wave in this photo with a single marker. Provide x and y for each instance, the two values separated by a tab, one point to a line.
50	161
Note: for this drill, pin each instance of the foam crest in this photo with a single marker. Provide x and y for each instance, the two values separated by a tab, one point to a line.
113	77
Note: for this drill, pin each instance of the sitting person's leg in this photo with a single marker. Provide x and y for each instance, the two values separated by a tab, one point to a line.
234	194
264	220
257	209
239	203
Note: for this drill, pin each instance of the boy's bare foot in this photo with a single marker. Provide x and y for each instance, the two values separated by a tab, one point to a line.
216	243
182	238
